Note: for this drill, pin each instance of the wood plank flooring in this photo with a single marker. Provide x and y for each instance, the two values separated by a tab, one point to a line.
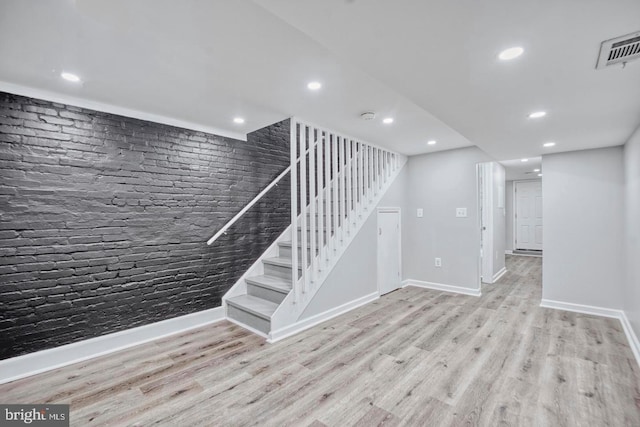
414	357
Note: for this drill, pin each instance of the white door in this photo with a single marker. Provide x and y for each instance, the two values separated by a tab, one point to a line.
388	250
529	215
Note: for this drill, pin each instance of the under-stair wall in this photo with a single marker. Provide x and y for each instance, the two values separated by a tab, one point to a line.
354	279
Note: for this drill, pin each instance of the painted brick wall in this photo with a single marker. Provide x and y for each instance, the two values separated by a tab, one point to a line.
104	219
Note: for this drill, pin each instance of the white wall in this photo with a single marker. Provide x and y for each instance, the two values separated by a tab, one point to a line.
632	178
355	275
499	217
439	183
583	215
509	215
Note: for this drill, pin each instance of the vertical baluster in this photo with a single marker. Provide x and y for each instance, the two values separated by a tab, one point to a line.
375	171
293	175
384	167
348	159
354	177
312	202
334	198
320	185
359	182
363	177
368	170
343	188
303	205
378	172
327	199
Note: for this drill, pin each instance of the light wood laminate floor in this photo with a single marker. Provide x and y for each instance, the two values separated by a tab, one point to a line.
413	357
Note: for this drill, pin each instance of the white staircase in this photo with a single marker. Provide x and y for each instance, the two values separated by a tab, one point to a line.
335	185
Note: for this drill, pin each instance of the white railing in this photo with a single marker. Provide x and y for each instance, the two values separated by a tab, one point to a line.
253	201
244	210
333	184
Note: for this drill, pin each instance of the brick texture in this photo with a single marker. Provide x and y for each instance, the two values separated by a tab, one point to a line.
104	219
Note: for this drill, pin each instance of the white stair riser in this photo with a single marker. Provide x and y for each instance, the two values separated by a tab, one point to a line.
285	251
277	271
265	293
248	319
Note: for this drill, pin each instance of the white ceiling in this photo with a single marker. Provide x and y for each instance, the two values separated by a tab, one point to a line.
426	63
517	170
442	54
203	62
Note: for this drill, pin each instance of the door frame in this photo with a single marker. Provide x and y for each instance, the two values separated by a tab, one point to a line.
398	211
514	203
485	196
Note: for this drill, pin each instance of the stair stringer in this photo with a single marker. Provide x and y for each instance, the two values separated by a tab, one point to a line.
291	308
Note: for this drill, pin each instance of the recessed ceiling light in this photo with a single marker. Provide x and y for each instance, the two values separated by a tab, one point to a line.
314	85
387	120
432	142
524	160
238	120
536	170
511	53
549	144
70	77
539	174
537	114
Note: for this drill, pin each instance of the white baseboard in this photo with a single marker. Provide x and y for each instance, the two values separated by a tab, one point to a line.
508	252
499	274
248	328
580	308
442	287
46	360
632	338
312	321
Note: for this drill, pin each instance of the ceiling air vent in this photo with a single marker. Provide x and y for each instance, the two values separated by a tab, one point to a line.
621	49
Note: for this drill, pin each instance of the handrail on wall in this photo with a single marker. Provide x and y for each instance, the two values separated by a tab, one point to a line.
232	221
244	210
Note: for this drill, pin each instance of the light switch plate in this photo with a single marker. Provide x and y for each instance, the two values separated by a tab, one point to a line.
420	213
461	212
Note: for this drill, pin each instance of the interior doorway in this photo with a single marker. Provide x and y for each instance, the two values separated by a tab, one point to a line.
491	214
528	216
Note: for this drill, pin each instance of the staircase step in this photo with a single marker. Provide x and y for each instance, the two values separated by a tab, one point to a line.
252	312
279	261
285	249
287	244
276	284
254	306
279	267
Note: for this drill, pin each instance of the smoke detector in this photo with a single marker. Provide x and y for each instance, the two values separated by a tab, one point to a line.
368	115
619	50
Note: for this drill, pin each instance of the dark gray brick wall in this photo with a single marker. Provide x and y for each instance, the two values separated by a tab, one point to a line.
104	219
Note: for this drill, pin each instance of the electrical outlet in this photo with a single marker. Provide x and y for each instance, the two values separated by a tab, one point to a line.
438	262
420	212
461	212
